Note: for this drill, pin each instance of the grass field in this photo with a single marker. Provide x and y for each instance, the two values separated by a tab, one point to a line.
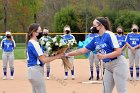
20	52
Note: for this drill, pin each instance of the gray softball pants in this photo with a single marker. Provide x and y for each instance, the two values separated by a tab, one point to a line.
8	56
134	58
116	73
35	77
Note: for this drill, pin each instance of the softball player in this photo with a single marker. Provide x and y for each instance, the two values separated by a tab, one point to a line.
46	38
121	39
36	59
8	45
93	58
68	36
133	43
108	51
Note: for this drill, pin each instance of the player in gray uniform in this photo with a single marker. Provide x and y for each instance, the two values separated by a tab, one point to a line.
67	36
133	43
116	68
8	45
36	59
46	38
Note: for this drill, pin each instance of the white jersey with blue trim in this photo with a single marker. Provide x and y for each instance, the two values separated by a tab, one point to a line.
104	44
133	39
8	45
121	40
34	50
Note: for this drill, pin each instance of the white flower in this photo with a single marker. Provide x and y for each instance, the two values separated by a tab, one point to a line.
42	42
47	43
56	44
54	39
49	48
60	44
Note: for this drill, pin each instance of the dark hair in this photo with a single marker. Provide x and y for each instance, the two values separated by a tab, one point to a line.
32	28
120	28
105	22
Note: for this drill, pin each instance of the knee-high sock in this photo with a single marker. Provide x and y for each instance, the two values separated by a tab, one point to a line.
137	71
97	71
11	71
131	71
48	72
5	71
66	73
91	71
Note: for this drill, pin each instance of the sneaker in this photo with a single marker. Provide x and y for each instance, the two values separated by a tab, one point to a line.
131	78
47	78
4	78
11	77
66	77
137	78
97	78
91	78
73	78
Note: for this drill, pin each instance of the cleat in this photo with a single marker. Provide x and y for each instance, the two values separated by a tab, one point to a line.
137	78
131	78
73	78
66	77
91	78
98	78
4	78
47	78
11	77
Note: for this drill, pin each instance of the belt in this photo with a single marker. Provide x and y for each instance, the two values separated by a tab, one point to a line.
111	59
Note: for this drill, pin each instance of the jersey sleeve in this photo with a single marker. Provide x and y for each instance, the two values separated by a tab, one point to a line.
36	50
91	46
127	38
2	44
113	42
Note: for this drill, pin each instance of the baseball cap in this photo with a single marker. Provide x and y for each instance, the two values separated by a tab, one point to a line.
8	33
67	28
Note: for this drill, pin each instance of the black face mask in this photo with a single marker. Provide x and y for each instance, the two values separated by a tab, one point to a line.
120	33
45	34
94	30
39	35
8	36
134	30
67	31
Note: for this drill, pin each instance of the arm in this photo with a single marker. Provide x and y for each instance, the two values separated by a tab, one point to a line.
129	46
138	46
117	52
78	52
45	59
123	47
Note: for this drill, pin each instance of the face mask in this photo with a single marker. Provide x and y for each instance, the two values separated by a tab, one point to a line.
67	31
8	36
94	30
134	30
39	35
120	33
45	34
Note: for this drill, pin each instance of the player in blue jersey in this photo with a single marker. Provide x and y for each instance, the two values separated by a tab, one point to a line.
133	43
46	37
107	47
67	36
93	58
36	59
8	45
121	39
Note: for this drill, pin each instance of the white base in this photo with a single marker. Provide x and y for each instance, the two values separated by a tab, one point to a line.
92	82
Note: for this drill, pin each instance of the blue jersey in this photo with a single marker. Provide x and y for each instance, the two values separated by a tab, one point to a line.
8	45
34	50
121	40
104	44
68	37
133	39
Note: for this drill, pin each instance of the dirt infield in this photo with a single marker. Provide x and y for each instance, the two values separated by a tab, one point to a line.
56	84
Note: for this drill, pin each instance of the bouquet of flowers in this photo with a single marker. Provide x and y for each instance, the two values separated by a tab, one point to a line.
58	45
